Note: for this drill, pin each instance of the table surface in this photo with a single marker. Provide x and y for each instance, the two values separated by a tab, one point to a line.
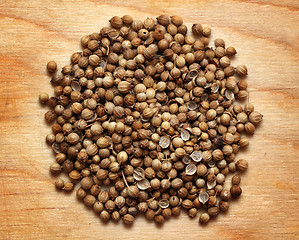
266	36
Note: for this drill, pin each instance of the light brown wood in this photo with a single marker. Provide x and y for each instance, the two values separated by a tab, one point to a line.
265	34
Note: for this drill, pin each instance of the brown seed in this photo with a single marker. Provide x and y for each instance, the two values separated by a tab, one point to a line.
204	218
68	186
93	60
150	214
255	117
98	207
236	179
128	219
166	213
159	219
176	211
192	212
93	45
104	216
177	20
84	40
224	61
103	196
110	205
43	97
225	195
124	87
81	194
86	183
127	19
122	157
219	42
230	51
133	191
187	204
89	200
116	22
243	142
149	23
242	165
103	142
163	20
223	206
59	184
51	66
50	116
55	168
236	191
213	211
197	29
241	70
115	216
177	183
74	175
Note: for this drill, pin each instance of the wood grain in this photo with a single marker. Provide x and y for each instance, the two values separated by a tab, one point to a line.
266	36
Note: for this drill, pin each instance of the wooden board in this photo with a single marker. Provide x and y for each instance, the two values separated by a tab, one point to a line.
265	34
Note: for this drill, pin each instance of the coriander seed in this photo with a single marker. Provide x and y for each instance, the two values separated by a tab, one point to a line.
206	31
177	20
55	168
255	117
104	216
43	97
213	211
127	19
159	219
230	51
197	29
241	70
51	66
81	194
50	116
68	186
236	179
89	200
204	218
128	219
242	164
223	206
192	212
150	214
98	207
86	183
236	191
115	216
59	184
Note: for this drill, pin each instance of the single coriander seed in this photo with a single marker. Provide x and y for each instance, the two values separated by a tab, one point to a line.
236	191
242	164
128	219
68	186
43	97
236	179
59	184
51	66
241	70
55	168
204	218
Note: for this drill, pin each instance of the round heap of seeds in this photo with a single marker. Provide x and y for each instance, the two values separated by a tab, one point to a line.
144	121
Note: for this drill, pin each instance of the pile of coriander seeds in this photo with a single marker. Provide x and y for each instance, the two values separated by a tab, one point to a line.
145	121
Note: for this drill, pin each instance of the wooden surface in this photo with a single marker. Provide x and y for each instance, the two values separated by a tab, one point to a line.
265	34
